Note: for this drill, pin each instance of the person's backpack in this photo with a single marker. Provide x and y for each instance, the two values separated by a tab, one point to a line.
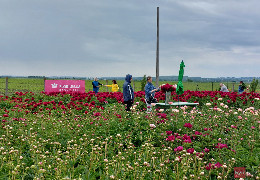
243	86
151	100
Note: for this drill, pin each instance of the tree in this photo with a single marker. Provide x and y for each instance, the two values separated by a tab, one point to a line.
253	85
143	83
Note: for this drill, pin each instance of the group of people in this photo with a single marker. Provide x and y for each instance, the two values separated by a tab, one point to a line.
97	84
128	92
150	89
241	87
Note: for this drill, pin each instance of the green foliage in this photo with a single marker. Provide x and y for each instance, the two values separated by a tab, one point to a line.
253	85
143	83
95	142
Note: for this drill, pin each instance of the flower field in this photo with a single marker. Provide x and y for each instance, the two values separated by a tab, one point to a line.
88	136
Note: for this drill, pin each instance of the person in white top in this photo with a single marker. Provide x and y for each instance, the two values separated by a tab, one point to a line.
223	88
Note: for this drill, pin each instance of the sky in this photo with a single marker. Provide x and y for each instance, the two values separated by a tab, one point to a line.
111	38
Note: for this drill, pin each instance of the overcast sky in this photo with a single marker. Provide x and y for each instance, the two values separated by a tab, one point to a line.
114	37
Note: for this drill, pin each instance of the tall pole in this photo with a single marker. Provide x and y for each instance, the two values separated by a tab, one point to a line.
157	50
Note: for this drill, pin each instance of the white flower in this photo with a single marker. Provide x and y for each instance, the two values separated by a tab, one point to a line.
208	104
152	126
175	110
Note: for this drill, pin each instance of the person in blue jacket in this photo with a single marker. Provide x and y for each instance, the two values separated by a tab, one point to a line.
150	92
95	85
128	92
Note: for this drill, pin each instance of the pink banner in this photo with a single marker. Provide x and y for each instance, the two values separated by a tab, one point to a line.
64	86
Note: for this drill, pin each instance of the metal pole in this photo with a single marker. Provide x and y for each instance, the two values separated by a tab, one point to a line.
44	79
157	50
107	84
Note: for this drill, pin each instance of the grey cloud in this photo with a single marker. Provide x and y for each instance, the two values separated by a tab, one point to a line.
119	37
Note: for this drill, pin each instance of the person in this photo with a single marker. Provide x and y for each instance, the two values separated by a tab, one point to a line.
241	87
95	85
223	88
114	86
128	92
150	92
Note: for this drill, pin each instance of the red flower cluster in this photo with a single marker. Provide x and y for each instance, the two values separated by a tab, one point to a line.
188	125
168	87
221	146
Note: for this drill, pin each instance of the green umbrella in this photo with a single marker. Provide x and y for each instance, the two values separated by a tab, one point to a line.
179	89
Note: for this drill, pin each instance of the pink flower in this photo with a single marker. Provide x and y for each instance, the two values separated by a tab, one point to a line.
5	115
235	127
253	127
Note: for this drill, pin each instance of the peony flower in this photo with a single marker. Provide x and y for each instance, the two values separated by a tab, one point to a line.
221	146
168	132
218	165
206	150
188	125
191	150
179	148
152	126
170	138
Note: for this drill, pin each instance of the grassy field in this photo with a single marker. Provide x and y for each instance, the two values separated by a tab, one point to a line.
37	85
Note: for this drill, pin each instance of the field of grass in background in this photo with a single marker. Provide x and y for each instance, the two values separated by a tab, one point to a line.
37	85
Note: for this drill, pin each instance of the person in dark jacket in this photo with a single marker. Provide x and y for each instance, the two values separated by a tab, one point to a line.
128	92
241	87
150	92
95	85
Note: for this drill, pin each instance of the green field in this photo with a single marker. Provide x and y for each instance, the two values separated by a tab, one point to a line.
37	85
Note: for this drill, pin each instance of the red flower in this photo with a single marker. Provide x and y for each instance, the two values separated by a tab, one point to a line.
191	150
168	132
179	148
170	138
5	115
188	125
210	166
206	150
218	165
198	133
168	87
221	146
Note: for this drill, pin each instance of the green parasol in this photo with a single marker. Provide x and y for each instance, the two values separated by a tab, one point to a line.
179	89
